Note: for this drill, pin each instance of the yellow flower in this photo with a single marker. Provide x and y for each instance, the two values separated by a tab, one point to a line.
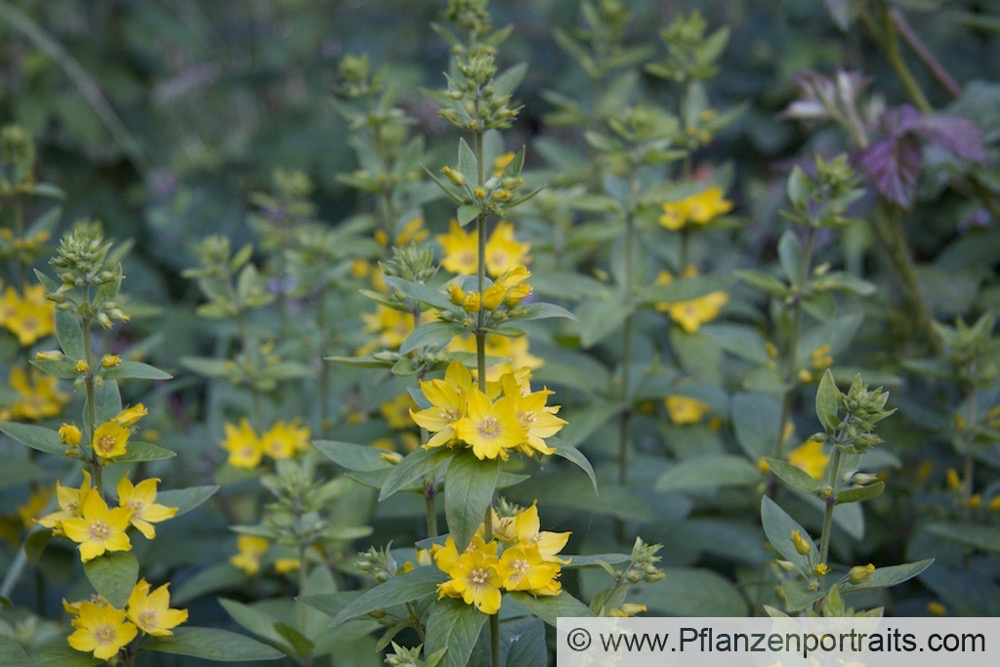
514	349
809	457
475	578
286	565
501	163
70	435
522	568
821	357
527	531
151	612
684	410
392	458
110	440
490	428
70	504
130	416
821	569
397	411
29	512
698	208
244	447
101	630
99	529
503	251
390	326
994	504
110	360
140	500
629	609
448	404
413	232
53	355
40	395
29	318
284	439
537	419
460	250
251	551
952	479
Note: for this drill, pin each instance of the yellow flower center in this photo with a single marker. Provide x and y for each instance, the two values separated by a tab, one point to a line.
467	257
247	451
105	634
479	576
450	415
136	506
100	530
29	324
147	617
488	428
106	443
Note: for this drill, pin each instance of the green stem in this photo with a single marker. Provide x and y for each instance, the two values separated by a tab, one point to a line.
626	392
885	35
88	381
303	576
430	491
831	504
324	367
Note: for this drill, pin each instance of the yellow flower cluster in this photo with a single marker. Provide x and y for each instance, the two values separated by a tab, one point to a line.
461	249
103	630
251	550
507	416
39	396
282	441
390	327
691	314
509	290
697	209
515	349
412	232
29	317
528	562
84	516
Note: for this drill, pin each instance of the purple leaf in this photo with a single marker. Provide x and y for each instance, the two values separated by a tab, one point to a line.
955	134
894	165
897	121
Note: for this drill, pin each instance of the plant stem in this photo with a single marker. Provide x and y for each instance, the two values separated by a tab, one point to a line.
430	491
890	45
920	49
626	392
91	415
324	368
831	504
303	576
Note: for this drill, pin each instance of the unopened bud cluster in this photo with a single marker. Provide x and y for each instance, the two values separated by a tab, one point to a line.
413	262
17	160
82	262
644	563
378	563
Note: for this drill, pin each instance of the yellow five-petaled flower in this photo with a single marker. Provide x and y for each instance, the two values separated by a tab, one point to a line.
98	529
140	501
100	629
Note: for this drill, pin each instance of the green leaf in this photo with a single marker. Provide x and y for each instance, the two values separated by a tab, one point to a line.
11	653
599	319
684	289
436	334
43	439
113	575
469	484
414	466
539	311
107	401
466	214
60	654
798	596
884	577
778	526
213	644
213	578
467	162
60	368
509	79
690	591
35	543
757	422
793	476
828	402
408	587
790	255
358	458
70	335
594	561
550	607
135	370
455	626
846	282
860	493
711	470
144	451
984	538
420	292
258	622
763	281
187	499
574	456
19	471
301	645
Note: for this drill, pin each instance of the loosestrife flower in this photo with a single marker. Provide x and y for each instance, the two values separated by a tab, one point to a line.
448	400
70	504
684	410
693	313
31	317
29	512
809	457
490	428
140	500
98	529
244	447
515	349
698	209
110	440
39	396
538	420
251	552
285	439
397	411
461	249
101	630
151	612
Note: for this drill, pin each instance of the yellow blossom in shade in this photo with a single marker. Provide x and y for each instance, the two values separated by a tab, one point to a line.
8	306
822	569
522	568
101	630
460	250
30	318
151	612
994	504
286	565
412	232
502	162
503	250
70	504
448	404
110	440
514	349
763	466
39	395
490	428
538	420
475	578
29	512
527	530
110	360
392	458
936	608
397	411
809	456
70	435
683	410
821	357
140	500
389	326
698	208
693	313
244	447
130	416
952	479
284	439
802	545
860	573
81	366
251	550
360	268
98	529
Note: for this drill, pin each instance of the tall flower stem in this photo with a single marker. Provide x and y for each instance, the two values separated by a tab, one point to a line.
830	505
627	288
88	381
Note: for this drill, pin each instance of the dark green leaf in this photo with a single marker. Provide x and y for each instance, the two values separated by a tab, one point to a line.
793	476
828	402
187	499
408	587
43	439
711	470
860	493
550	607
469	484
213	644
135	370
453	625
144	451
413	467
113	575
360	458
884	577
574	456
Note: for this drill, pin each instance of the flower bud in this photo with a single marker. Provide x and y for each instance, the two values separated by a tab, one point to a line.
54	355
472	303
70	435
455	294
821	570
860	573
801	545
110	360
81	366
456	177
